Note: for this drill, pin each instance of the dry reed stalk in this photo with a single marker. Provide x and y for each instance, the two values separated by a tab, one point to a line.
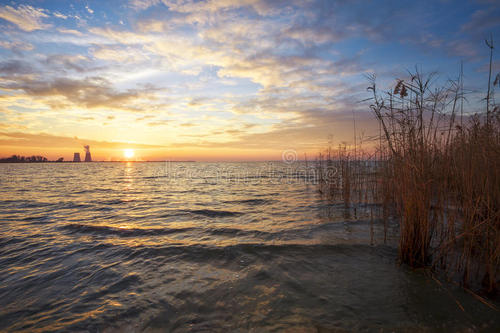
440	179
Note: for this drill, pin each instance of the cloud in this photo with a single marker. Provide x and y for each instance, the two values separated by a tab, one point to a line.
15	67
199	101
119	54
309	134
90	92
463	48
122	36
237	44
25	17
63	62
482	22
43	140
143	4
144	118
70	31
261	7
157	123
313	36
152	25
16	45
60	15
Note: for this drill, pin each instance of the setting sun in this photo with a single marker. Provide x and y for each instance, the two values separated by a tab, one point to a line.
128	153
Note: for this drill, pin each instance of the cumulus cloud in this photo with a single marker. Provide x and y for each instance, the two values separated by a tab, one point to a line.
27	18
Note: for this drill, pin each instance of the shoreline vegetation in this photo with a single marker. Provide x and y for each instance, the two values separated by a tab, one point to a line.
436	172
28	159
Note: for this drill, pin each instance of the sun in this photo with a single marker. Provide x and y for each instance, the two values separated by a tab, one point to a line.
128	153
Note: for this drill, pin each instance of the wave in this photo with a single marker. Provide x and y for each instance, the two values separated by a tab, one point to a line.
94	190
213	213
124	232
4	241
252	202
203	253
24	204
138	232
242	232
300	232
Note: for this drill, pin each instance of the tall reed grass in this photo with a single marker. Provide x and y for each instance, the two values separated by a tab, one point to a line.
436	171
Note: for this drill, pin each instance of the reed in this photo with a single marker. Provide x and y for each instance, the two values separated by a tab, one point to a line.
437	174
442	178
346	176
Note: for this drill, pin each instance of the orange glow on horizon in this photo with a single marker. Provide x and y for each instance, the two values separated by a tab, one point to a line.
219	154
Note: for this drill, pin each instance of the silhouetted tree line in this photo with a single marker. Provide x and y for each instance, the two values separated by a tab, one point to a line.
27	159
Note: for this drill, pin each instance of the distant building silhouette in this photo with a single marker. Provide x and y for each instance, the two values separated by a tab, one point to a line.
88	158
76	157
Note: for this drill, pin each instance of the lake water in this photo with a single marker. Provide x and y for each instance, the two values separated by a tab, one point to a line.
204	247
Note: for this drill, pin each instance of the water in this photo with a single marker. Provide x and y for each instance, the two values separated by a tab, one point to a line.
203	247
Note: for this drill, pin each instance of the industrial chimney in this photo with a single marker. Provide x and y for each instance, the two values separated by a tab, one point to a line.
76	157
88	158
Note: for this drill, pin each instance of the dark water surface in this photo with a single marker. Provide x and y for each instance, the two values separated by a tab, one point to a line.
203	247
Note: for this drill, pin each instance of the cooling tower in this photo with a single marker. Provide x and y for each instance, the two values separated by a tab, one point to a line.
76	157
88	158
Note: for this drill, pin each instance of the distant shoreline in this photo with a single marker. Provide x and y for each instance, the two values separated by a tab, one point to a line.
28	162
187	161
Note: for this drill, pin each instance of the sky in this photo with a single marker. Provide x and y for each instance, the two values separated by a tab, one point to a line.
219	80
